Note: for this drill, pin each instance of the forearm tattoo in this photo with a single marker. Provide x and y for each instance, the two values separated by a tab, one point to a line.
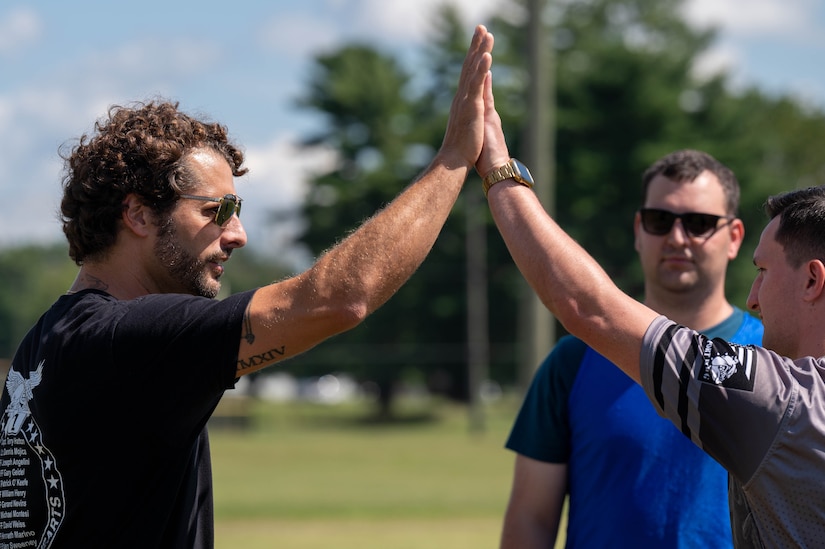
261	359
248	335
264	358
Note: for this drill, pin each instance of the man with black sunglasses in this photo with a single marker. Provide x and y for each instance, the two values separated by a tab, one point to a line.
107	399
757	410
587	431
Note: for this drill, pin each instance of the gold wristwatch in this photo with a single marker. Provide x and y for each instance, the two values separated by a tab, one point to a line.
512	170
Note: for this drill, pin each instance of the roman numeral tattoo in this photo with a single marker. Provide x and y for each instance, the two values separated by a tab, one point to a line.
257	360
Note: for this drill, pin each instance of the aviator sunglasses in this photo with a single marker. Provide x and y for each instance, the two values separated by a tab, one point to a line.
228	204
697	225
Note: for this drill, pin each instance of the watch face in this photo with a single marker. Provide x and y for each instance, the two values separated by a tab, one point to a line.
523	171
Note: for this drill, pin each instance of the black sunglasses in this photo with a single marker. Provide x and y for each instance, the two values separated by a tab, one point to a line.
697	225
228	204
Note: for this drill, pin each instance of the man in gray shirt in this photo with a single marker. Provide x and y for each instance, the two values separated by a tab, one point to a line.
759	411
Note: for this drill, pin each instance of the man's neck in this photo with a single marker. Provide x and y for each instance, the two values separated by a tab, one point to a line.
692	311
106	279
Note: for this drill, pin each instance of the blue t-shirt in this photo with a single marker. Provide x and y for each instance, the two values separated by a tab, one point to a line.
633	479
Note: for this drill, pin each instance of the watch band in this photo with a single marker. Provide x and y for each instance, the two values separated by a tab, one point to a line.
512	169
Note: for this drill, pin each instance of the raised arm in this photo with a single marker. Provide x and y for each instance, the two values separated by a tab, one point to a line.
358	275
566	278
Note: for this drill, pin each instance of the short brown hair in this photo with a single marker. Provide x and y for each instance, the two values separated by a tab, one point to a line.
801	231
686	165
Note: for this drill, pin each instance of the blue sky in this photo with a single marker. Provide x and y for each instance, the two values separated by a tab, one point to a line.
245	63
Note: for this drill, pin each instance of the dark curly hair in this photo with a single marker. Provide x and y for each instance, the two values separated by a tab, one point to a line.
138	150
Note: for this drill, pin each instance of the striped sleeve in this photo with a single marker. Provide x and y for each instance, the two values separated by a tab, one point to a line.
708	389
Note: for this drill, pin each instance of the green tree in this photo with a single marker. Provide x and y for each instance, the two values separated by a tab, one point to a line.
364	96
773	146
249	269
386	128
31	278
626	94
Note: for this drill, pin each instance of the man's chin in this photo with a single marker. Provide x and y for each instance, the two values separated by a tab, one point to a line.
208	287
213	291
678	284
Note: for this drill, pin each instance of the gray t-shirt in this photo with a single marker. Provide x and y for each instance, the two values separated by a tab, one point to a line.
760	415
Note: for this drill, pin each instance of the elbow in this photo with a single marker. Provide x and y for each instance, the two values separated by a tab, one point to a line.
577	316
347	317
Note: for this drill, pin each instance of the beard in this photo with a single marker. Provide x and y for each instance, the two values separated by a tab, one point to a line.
186	270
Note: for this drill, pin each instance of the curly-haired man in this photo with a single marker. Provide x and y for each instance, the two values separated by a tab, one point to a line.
105	407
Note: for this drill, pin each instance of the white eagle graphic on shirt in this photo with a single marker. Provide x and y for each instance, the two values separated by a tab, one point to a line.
21	391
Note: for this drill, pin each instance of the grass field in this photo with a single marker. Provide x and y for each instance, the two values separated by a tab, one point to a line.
312	477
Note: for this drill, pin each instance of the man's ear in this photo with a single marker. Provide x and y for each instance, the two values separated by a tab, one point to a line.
137	217
637	226
736	230
815	271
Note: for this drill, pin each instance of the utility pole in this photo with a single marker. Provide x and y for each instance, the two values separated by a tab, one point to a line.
478	344
538	323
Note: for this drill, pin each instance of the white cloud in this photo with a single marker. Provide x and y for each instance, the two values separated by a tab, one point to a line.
34	121
774	44
412	19
277	182
36	199
750	18
298	35
277	170
392	22
722	58
147	64
18	29
61	103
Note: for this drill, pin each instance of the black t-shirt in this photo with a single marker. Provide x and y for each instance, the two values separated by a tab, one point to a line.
103	440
